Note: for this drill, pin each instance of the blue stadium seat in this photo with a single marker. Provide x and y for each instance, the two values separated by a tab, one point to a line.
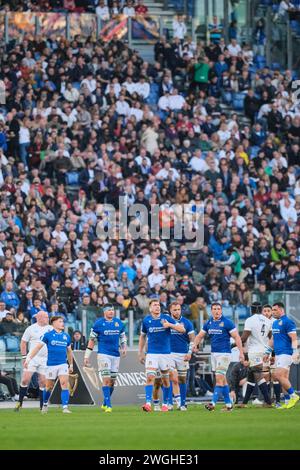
227	311
238	101
72	178
242	311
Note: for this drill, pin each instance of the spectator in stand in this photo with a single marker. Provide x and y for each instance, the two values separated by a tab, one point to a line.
140	8
179	28
128	9
78	342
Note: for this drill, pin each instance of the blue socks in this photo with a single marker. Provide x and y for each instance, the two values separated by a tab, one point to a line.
217	393
65	395
170	398
148	391
106	395
225	391
166	391
291	391
46	396
183	389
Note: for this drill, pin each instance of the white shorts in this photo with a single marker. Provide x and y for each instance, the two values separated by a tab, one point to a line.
220	362
108	364
178	363
158	361
52	372
283	361
38	364
256	359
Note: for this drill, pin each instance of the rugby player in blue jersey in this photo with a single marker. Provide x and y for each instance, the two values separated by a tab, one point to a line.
156	328
109	332
285	344
181	352
220	330
59	355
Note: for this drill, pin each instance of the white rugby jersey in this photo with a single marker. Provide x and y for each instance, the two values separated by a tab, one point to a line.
32	336
260	327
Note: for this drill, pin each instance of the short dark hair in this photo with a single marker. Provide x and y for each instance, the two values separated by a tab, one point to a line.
56	317
279	304
267	306
108	306
256	308
173	304
216	303
152	301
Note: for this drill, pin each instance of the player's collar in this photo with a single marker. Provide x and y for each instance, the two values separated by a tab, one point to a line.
156	318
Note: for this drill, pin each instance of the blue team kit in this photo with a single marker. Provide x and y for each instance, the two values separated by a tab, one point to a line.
219	333
282	341
108	335
57	344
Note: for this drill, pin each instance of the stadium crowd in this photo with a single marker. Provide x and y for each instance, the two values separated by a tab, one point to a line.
85	122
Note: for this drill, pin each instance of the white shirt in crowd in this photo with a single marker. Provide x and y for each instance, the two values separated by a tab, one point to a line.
155	279
234	50
122	108
129	11
240	221
24	135
176	102
198	164
179	29
138	113
142	89
62	238
102	12
91	84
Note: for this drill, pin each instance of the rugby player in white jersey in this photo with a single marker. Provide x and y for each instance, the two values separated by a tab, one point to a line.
30	339
256	335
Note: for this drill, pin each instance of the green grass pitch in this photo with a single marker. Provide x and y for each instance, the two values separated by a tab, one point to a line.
130	428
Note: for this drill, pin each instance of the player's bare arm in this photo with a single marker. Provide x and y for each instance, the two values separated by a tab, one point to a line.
33	353
70	359
89	349
269	350
189	354
238	341
245	336
198	340
23	349
295	356
177	327
123	344
142	343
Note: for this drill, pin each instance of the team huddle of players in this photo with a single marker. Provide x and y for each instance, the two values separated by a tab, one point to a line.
165	347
